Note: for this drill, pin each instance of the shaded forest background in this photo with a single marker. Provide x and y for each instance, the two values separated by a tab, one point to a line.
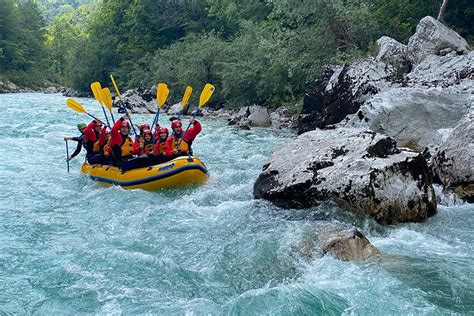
267	52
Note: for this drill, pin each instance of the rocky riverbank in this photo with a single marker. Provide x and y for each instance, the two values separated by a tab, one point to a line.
376	133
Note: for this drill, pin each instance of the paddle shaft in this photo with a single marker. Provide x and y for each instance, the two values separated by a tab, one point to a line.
156	119
123	105
95	118
67	155
129	118
106	118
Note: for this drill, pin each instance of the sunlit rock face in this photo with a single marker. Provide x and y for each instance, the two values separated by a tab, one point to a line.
412	93
358	169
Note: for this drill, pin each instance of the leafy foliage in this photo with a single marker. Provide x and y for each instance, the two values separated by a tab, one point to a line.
254	51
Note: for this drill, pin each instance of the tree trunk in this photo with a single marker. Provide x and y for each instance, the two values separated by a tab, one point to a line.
441	10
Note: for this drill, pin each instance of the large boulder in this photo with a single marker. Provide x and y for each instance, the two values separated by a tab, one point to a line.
356	168
392	52
70	92
412	99
259	116
138	100
251	116
444	71
174	109
414	116
438	92
431	38
341	91
453	164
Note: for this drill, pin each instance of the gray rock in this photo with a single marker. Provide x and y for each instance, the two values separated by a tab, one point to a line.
358	169
259	116
342	242
243	112
453	164
10	87
174	109
138	100
51	90
244	125
392	52
431	38
341	91
413	116
247	116
70	92
444	71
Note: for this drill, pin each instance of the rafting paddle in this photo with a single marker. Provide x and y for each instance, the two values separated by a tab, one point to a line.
123	105
162	93
67	155
205	96
107	99
76	106
96	90
184	102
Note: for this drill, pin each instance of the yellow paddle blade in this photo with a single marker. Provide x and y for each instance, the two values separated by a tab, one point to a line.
162	94
76	106
206	94
106	98
116	88
96	87
187	95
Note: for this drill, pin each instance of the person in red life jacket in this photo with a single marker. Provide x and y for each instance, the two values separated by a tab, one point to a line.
176	138
136	143
121	143
145	143
92	134
106	149
159	151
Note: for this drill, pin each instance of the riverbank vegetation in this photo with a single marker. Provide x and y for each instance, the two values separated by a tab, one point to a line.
266	52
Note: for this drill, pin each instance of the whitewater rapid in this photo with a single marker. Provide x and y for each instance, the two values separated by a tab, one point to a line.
69	245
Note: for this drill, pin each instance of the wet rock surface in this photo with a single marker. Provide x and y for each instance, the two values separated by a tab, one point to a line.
340	241
358	169
453	163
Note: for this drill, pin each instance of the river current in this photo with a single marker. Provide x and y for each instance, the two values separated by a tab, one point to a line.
71	246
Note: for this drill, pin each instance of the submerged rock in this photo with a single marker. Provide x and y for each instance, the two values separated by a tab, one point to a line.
453	164
337	240
356	168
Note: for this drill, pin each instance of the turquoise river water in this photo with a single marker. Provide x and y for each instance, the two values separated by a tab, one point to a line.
71	246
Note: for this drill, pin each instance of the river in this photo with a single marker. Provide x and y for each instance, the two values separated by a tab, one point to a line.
71	246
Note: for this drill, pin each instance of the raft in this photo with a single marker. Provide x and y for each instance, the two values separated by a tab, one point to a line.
175	173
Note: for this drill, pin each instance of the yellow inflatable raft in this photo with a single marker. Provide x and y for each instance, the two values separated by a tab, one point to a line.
172	174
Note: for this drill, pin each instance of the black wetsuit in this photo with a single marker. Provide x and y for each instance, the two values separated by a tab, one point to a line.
80	145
